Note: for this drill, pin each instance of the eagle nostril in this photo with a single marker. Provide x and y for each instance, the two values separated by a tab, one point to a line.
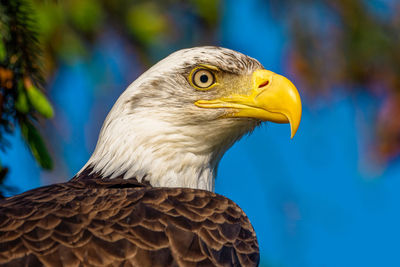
263	84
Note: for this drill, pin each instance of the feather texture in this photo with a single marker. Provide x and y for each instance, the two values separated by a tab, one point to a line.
119	222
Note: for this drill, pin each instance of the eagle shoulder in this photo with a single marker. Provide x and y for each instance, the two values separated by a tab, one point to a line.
120	222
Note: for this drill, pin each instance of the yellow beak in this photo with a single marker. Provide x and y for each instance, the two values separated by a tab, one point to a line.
272	98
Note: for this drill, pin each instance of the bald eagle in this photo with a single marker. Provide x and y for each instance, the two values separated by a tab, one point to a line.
145	197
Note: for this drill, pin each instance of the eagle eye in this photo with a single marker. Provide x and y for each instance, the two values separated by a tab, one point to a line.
203	78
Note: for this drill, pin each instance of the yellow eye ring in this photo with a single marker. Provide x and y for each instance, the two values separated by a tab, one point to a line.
202	78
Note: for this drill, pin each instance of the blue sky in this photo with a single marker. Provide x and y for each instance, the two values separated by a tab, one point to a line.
315	200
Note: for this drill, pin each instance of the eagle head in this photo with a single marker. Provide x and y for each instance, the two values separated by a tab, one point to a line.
173	124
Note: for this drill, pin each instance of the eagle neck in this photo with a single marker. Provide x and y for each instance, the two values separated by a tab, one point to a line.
153	152
176	170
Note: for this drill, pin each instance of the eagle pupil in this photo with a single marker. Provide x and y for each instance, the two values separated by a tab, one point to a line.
204	78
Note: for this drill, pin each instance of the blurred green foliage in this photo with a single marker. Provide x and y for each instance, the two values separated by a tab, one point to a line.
36	99
35	141
69	28
85	15
146	22
21	99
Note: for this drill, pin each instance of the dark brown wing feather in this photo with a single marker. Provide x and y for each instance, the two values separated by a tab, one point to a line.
122	223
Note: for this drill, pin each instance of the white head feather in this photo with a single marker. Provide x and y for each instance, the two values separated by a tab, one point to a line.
155	133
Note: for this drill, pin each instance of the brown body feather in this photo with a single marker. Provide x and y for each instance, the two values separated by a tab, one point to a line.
116	222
